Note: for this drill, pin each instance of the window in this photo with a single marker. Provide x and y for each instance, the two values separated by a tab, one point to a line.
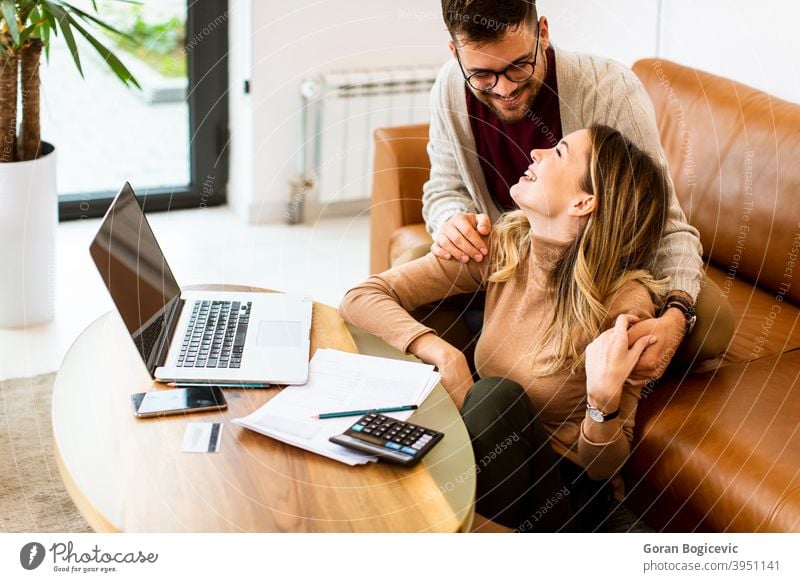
169	139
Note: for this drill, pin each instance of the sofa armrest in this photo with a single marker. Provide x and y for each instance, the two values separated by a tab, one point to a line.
401	168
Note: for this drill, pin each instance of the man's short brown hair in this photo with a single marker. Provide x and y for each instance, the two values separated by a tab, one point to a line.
483	21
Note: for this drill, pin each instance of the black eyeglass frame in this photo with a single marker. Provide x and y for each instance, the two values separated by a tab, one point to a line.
504	72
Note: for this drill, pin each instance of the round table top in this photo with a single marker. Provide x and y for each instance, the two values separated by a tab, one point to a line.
129	474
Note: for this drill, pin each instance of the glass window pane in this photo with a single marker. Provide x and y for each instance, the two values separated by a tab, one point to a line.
106	133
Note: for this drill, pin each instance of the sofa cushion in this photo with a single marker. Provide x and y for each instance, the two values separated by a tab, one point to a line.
720	451
763	325
406	238
401	169
732	153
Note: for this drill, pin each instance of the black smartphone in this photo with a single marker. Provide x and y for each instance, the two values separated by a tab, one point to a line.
178	401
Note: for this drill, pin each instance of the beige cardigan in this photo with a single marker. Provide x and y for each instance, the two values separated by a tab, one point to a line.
591	90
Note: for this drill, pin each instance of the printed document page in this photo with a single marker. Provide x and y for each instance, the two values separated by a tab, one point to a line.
339	381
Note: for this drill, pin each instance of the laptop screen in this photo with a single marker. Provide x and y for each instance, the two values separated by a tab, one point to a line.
136	273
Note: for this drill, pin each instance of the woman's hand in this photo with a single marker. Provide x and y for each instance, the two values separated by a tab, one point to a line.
609	361
452	364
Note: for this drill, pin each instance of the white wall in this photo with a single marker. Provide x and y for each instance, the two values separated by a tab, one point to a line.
624	30
756	43
278	44
293	41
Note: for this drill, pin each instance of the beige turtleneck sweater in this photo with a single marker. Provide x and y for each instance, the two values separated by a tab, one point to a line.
516	314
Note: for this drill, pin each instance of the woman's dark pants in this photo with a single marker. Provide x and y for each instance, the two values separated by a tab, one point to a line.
521	482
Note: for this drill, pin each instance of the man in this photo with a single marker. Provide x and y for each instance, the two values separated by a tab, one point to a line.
507	91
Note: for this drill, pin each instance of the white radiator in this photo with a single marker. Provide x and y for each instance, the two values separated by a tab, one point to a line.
341	111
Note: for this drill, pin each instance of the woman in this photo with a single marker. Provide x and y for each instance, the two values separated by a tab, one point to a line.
564	267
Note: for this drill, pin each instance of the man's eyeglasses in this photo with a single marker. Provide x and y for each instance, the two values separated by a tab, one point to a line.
520	72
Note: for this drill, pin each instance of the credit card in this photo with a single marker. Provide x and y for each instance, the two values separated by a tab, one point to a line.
202	437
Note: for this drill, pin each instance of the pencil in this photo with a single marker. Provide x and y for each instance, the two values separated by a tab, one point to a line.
220	384
367	411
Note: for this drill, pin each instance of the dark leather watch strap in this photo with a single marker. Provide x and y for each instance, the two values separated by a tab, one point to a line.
682	302
684	306
606	417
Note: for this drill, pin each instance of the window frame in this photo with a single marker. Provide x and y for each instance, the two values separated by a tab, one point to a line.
207	97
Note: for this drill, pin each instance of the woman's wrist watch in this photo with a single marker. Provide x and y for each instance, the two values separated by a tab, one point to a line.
684	306
597	415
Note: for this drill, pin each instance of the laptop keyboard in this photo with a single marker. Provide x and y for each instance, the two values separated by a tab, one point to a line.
215	335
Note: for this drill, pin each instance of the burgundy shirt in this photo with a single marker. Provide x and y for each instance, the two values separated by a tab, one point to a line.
504	149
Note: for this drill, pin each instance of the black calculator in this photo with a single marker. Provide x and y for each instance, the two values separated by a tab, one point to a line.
390	439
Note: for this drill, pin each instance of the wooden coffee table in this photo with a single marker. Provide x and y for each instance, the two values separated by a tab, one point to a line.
128	474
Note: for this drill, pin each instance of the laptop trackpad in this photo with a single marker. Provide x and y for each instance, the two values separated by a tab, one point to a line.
281	334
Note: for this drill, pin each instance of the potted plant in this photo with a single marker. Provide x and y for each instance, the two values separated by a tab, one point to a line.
28	195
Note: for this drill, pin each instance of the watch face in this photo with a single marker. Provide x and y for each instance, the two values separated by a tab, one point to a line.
596	415
690	323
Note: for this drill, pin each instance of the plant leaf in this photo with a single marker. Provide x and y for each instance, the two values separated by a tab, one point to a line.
50	19
10	15
93	19
63	19
25	34
45	32
120	70
26	9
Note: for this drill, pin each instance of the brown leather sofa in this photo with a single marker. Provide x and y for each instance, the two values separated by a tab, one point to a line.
717	450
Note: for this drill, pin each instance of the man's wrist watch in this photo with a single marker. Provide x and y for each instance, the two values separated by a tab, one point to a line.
685	307
597	415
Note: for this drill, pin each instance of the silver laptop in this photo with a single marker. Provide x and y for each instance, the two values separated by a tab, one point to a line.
196	336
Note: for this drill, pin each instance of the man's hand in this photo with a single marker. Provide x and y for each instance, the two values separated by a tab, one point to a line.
669	329
461	237
609	361
452	364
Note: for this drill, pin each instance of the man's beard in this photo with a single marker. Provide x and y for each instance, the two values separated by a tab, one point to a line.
518	113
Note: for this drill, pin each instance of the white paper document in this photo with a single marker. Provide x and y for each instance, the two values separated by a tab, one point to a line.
339	381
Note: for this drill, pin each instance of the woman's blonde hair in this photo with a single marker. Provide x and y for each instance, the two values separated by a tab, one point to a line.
632	197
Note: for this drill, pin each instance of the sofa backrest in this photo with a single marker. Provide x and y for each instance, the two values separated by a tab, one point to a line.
734	156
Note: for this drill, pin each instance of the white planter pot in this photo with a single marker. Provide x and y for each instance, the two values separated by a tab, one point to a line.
28	217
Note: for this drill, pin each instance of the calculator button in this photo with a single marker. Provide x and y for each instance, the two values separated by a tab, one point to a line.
367	430
409	451
408	441
397	439
417	445
357	427
394	446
